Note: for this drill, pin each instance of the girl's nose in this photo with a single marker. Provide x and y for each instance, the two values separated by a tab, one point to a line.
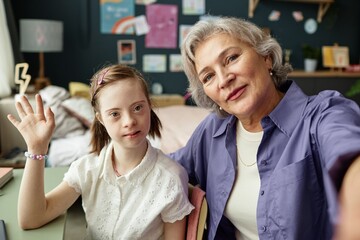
128	120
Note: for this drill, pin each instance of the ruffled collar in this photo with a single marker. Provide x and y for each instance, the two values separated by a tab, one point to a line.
135	176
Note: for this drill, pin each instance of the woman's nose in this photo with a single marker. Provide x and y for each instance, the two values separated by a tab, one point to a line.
225	78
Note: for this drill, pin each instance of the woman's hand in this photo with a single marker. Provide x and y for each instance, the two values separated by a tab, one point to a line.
35	127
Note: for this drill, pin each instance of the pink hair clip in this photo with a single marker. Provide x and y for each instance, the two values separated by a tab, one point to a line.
101	79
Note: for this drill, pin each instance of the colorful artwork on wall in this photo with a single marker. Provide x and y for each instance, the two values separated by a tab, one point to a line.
127	51
193	7
117	16
163	22
154	63
183	31
175	63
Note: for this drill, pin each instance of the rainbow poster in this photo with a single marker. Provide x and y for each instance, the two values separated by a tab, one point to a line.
117	16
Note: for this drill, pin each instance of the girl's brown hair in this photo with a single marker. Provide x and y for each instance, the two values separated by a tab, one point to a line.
104	77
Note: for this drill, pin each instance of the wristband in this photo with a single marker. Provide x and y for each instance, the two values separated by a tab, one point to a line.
36	156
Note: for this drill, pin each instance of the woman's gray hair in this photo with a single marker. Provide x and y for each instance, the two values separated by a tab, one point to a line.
238	28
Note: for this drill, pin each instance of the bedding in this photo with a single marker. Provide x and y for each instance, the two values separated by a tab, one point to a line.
73	116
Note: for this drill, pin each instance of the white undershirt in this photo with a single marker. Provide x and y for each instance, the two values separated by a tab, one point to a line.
242	203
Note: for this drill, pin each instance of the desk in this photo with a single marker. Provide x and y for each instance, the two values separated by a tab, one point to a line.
8	208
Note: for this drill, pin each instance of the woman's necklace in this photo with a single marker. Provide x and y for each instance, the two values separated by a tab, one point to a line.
245	164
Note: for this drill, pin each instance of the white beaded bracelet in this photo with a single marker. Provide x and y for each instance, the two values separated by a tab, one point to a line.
36	156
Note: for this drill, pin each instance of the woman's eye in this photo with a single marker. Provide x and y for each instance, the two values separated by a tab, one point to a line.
207	78
231	58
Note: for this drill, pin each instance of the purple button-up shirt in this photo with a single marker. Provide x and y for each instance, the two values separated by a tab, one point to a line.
307	145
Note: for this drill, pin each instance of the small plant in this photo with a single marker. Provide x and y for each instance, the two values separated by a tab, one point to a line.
354	89
310	52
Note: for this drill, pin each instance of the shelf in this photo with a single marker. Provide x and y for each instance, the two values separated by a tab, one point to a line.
164	100
323	74
323	6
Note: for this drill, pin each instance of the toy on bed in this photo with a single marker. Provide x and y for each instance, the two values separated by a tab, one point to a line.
74	115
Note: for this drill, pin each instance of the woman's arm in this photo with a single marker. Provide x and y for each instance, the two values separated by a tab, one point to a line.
176	230
349	222
34	208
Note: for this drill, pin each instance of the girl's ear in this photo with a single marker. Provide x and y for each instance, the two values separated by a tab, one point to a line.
98	117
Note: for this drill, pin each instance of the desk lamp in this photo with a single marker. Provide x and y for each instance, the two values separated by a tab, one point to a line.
41	36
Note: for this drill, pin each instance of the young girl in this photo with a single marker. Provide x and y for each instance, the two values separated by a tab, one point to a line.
129	189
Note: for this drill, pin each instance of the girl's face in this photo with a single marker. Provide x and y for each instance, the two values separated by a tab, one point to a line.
235	77
125	113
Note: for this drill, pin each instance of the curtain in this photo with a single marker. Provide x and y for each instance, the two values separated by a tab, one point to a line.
14	35
7	65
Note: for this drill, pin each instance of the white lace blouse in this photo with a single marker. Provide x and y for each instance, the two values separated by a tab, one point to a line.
133	206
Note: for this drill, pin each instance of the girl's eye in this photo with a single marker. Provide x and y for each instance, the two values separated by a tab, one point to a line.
114	114
138	108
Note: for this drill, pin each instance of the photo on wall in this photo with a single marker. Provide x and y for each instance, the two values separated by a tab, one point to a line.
126	51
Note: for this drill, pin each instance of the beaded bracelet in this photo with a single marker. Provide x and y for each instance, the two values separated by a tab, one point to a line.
36	156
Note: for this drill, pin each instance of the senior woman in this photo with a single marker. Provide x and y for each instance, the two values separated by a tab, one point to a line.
272	160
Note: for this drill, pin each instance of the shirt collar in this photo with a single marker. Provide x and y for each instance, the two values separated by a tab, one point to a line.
288	112
227	122
137	175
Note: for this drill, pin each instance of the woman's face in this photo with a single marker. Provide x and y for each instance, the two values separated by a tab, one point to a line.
125	113
235	77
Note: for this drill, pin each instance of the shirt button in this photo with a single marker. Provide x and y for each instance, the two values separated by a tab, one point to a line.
262	192
264	162
263	228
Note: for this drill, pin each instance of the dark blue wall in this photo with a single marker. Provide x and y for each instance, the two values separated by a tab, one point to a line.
85	48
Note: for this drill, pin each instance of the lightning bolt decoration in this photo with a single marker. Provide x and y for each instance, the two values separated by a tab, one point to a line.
24	79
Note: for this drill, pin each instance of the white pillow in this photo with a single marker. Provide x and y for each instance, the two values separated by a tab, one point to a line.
81	109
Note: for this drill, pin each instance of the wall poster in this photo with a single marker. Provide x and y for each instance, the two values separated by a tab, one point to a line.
117	16
163	22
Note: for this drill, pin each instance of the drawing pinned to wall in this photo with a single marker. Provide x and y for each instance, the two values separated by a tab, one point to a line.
193	7
175	63
117	16
154	63
141	25
126	51
163	22
183	31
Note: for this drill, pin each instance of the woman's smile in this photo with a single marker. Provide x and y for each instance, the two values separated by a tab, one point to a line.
236	93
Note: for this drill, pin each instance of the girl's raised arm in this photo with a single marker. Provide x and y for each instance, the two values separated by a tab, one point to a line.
34	208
